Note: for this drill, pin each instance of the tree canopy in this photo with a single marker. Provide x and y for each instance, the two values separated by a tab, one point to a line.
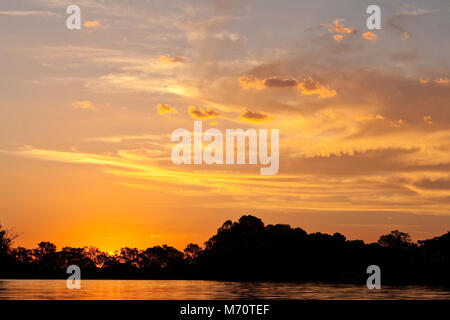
246	249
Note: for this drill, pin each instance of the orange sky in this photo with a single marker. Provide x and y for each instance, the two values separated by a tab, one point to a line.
86	117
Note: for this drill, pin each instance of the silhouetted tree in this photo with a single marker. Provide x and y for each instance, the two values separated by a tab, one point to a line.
6	259
99	258
437	249
129	256
395	239
160	257
68	256
6	239
191	252
23	255
245	250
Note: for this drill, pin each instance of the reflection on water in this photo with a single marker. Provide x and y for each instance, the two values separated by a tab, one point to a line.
208	290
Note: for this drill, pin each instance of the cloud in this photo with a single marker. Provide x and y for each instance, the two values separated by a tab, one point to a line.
310	86
393	21
360	167
85	105
127	138
338	27
442	80
369	36
135	81
92	24
417	12
338	37
27	13
306	86
201	113
169	59
279	83
338	30
404	56
437	184
165	108
250	81
397	124
255	116
233	37
368	117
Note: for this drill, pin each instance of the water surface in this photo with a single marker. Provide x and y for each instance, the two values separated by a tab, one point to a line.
207	290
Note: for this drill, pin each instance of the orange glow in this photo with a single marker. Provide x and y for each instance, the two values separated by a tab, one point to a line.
86	119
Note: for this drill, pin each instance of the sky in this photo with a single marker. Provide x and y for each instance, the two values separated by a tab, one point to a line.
86	118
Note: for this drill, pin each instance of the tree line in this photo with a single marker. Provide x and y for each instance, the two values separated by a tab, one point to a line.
245	250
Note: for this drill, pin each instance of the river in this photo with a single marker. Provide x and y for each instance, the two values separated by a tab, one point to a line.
206	290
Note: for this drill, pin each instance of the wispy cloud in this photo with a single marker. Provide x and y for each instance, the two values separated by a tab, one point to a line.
202	113
338	27
28	13
414	12
369	36
339	31
169	59
417	12
92	24
85	104
307	86
165	109
255	116
310	86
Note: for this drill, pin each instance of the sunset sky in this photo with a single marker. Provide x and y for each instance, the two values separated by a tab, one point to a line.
86	117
